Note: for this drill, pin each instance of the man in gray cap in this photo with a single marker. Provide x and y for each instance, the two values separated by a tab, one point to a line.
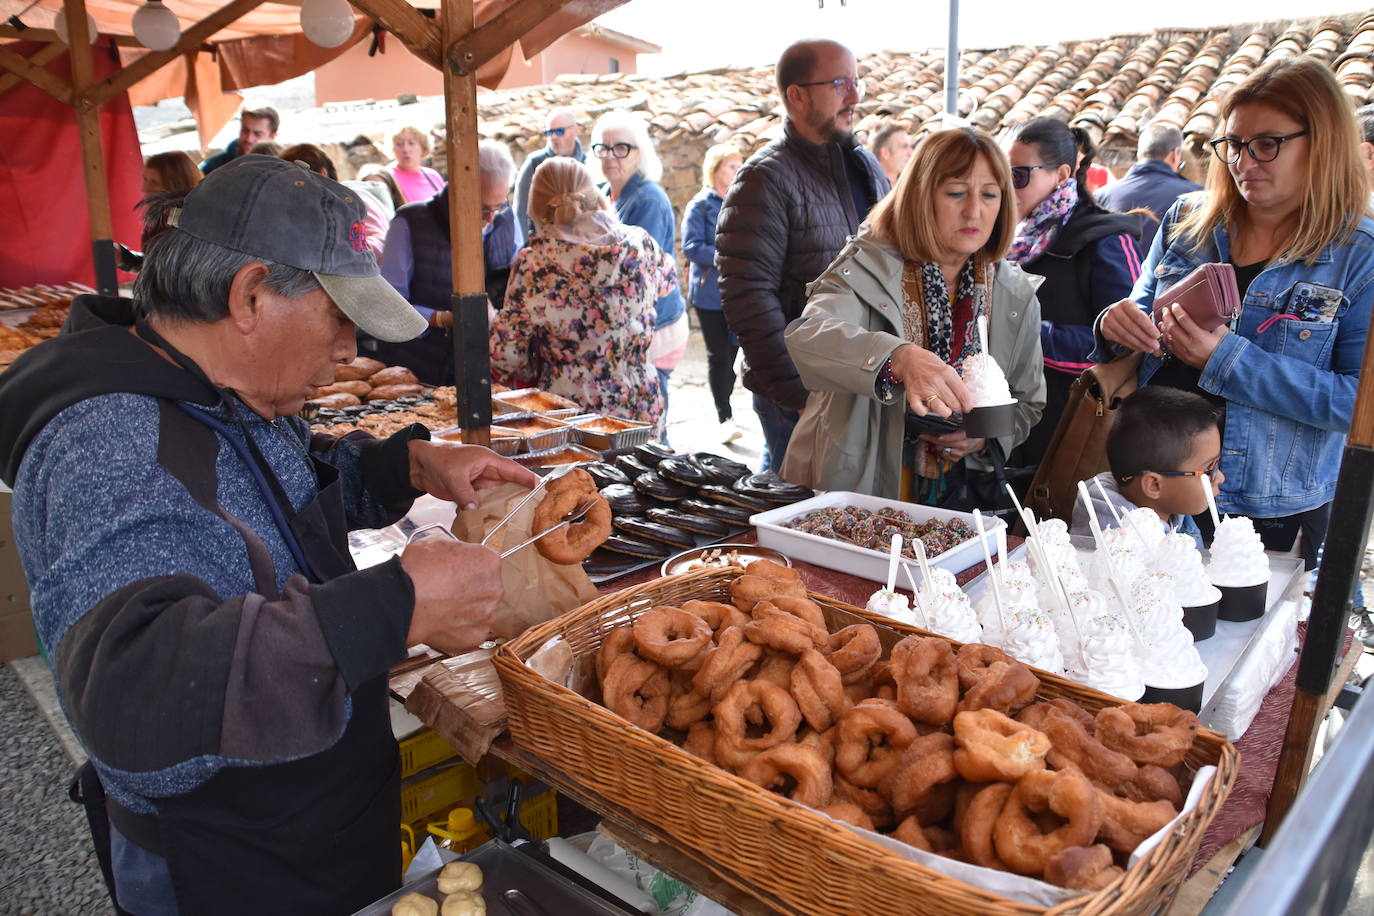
184	536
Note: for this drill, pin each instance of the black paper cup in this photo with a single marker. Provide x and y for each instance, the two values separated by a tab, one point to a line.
1242	602
1201	621
990	422
1189	698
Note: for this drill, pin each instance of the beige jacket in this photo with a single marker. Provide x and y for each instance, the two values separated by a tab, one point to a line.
849	440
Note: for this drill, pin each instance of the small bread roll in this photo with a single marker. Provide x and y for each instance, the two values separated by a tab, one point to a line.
342	399
415	905
390	392
394	375
464	903
460	876
357	389
350	373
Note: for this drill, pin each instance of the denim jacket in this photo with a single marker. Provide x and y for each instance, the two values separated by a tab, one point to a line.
645	204
1288	371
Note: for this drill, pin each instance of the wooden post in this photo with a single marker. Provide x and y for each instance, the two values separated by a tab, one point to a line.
1347	532
471	350
92	151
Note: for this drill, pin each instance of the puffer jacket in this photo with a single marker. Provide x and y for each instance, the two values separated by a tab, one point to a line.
787	215
848	439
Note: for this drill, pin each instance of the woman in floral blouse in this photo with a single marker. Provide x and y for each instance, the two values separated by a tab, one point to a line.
579	311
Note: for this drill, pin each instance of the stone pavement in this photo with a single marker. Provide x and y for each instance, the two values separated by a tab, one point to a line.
692	425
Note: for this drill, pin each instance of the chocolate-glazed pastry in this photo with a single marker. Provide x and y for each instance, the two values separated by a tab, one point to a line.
651	484
626	500
606	474
653	531
683	470
608	563
651	453
721	471
731	515
636	547
688	522
768	485
631	466
735	498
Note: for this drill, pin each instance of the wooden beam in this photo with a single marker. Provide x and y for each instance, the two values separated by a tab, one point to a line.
153	61
41	58
92	151
48	35
500	33
31	70
416	31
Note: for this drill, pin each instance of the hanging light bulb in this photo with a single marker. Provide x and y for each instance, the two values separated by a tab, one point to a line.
59	25
327	23
156	27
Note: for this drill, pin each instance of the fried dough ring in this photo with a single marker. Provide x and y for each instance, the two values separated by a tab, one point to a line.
823	742
571	543
637	691
927	677
853	650
670	636
1082	868
870	801
1152	783
774	667
685	705
1022	843
753	702
849	813
1074	747
617	642
1035	713
978	822
974	660
725	664
783	631
817	689
935	840
747	591
994	748
701	741
805	765
927	762
775	572
804	608
1007	687
1126	824
1155	733
717	614
870	740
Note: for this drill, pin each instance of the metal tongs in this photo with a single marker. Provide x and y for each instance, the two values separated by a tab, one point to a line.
551	476
573	516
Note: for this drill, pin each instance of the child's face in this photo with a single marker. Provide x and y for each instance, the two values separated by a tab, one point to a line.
1183	495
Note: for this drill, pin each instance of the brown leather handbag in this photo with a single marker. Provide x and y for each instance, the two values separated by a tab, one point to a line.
1078	450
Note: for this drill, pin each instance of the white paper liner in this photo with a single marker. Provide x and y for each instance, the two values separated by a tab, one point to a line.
1016	887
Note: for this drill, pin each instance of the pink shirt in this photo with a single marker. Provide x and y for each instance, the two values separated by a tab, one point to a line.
418	186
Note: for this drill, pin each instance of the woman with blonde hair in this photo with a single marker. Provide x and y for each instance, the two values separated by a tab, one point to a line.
579	312
1285	204
718	169
891	321
417	182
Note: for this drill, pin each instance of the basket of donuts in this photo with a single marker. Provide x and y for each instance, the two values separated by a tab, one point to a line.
826	762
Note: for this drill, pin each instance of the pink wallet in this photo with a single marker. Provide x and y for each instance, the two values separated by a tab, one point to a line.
1209	295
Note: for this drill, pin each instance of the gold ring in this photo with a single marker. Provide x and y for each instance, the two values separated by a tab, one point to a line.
932	399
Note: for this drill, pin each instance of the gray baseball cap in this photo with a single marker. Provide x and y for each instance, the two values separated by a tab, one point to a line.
283	212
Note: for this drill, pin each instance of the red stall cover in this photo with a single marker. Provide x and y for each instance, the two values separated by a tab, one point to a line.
47	236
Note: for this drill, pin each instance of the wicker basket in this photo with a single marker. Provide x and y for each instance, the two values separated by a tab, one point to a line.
770	846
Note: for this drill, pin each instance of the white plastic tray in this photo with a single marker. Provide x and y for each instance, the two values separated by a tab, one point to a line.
860	561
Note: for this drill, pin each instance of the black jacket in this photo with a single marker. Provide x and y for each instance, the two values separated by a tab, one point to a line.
785	218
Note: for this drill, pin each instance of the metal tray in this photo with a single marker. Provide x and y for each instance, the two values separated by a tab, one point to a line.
634	434
554	437
507	445
703	541
560	404
533	460
505	867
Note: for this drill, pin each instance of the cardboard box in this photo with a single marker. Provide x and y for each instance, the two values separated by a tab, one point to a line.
17	638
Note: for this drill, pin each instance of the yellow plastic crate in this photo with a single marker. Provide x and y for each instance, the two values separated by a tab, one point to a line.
539	815
430	792
423	750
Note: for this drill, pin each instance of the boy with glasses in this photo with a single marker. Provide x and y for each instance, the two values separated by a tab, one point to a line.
1162	441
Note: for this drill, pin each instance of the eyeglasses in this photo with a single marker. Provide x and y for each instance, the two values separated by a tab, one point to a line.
1209	471
842	85
618	150
1261	149
1021	174
493	212
556	131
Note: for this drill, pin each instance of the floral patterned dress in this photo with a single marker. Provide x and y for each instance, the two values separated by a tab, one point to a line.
578	320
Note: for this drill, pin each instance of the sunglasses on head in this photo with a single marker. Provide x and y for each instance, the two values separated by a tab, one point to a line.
556	131
1021	174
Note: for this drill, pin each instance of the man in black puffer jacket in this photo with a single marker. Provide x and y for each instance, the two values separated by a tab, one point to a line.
789	212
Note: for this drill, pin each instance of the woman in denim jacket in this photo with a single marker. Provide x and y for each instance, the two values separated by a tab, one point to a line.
1286	204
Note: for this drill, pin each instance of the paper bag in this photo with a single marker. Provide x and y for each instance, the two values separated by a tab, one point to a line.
537	589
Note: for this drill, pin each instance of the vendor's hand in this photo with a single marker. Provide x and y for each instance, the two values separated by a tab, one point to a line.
1186	340
932	385
954	446
457	588
455	472
1124	323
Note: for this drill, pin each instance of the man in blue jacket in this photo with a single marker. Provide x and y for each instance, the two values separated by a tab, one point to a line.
1153	182
561	129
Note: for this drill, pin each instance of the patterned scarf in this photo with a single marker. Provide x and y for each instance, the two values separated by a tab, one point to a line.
928	313
1041	225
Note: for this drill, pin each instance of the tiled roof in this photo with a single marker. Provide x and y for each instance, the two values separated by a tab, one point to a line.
1111	86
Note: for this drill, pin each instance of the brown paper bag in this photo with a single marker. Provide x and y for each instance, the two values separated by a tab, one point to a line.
537	589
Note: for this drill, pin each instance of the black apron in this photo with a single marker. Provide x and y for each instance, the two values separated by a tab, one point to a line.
320	834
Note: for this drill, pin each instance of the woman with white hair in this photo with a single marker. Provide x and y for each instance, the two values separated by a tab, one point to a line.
631	168
579	310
